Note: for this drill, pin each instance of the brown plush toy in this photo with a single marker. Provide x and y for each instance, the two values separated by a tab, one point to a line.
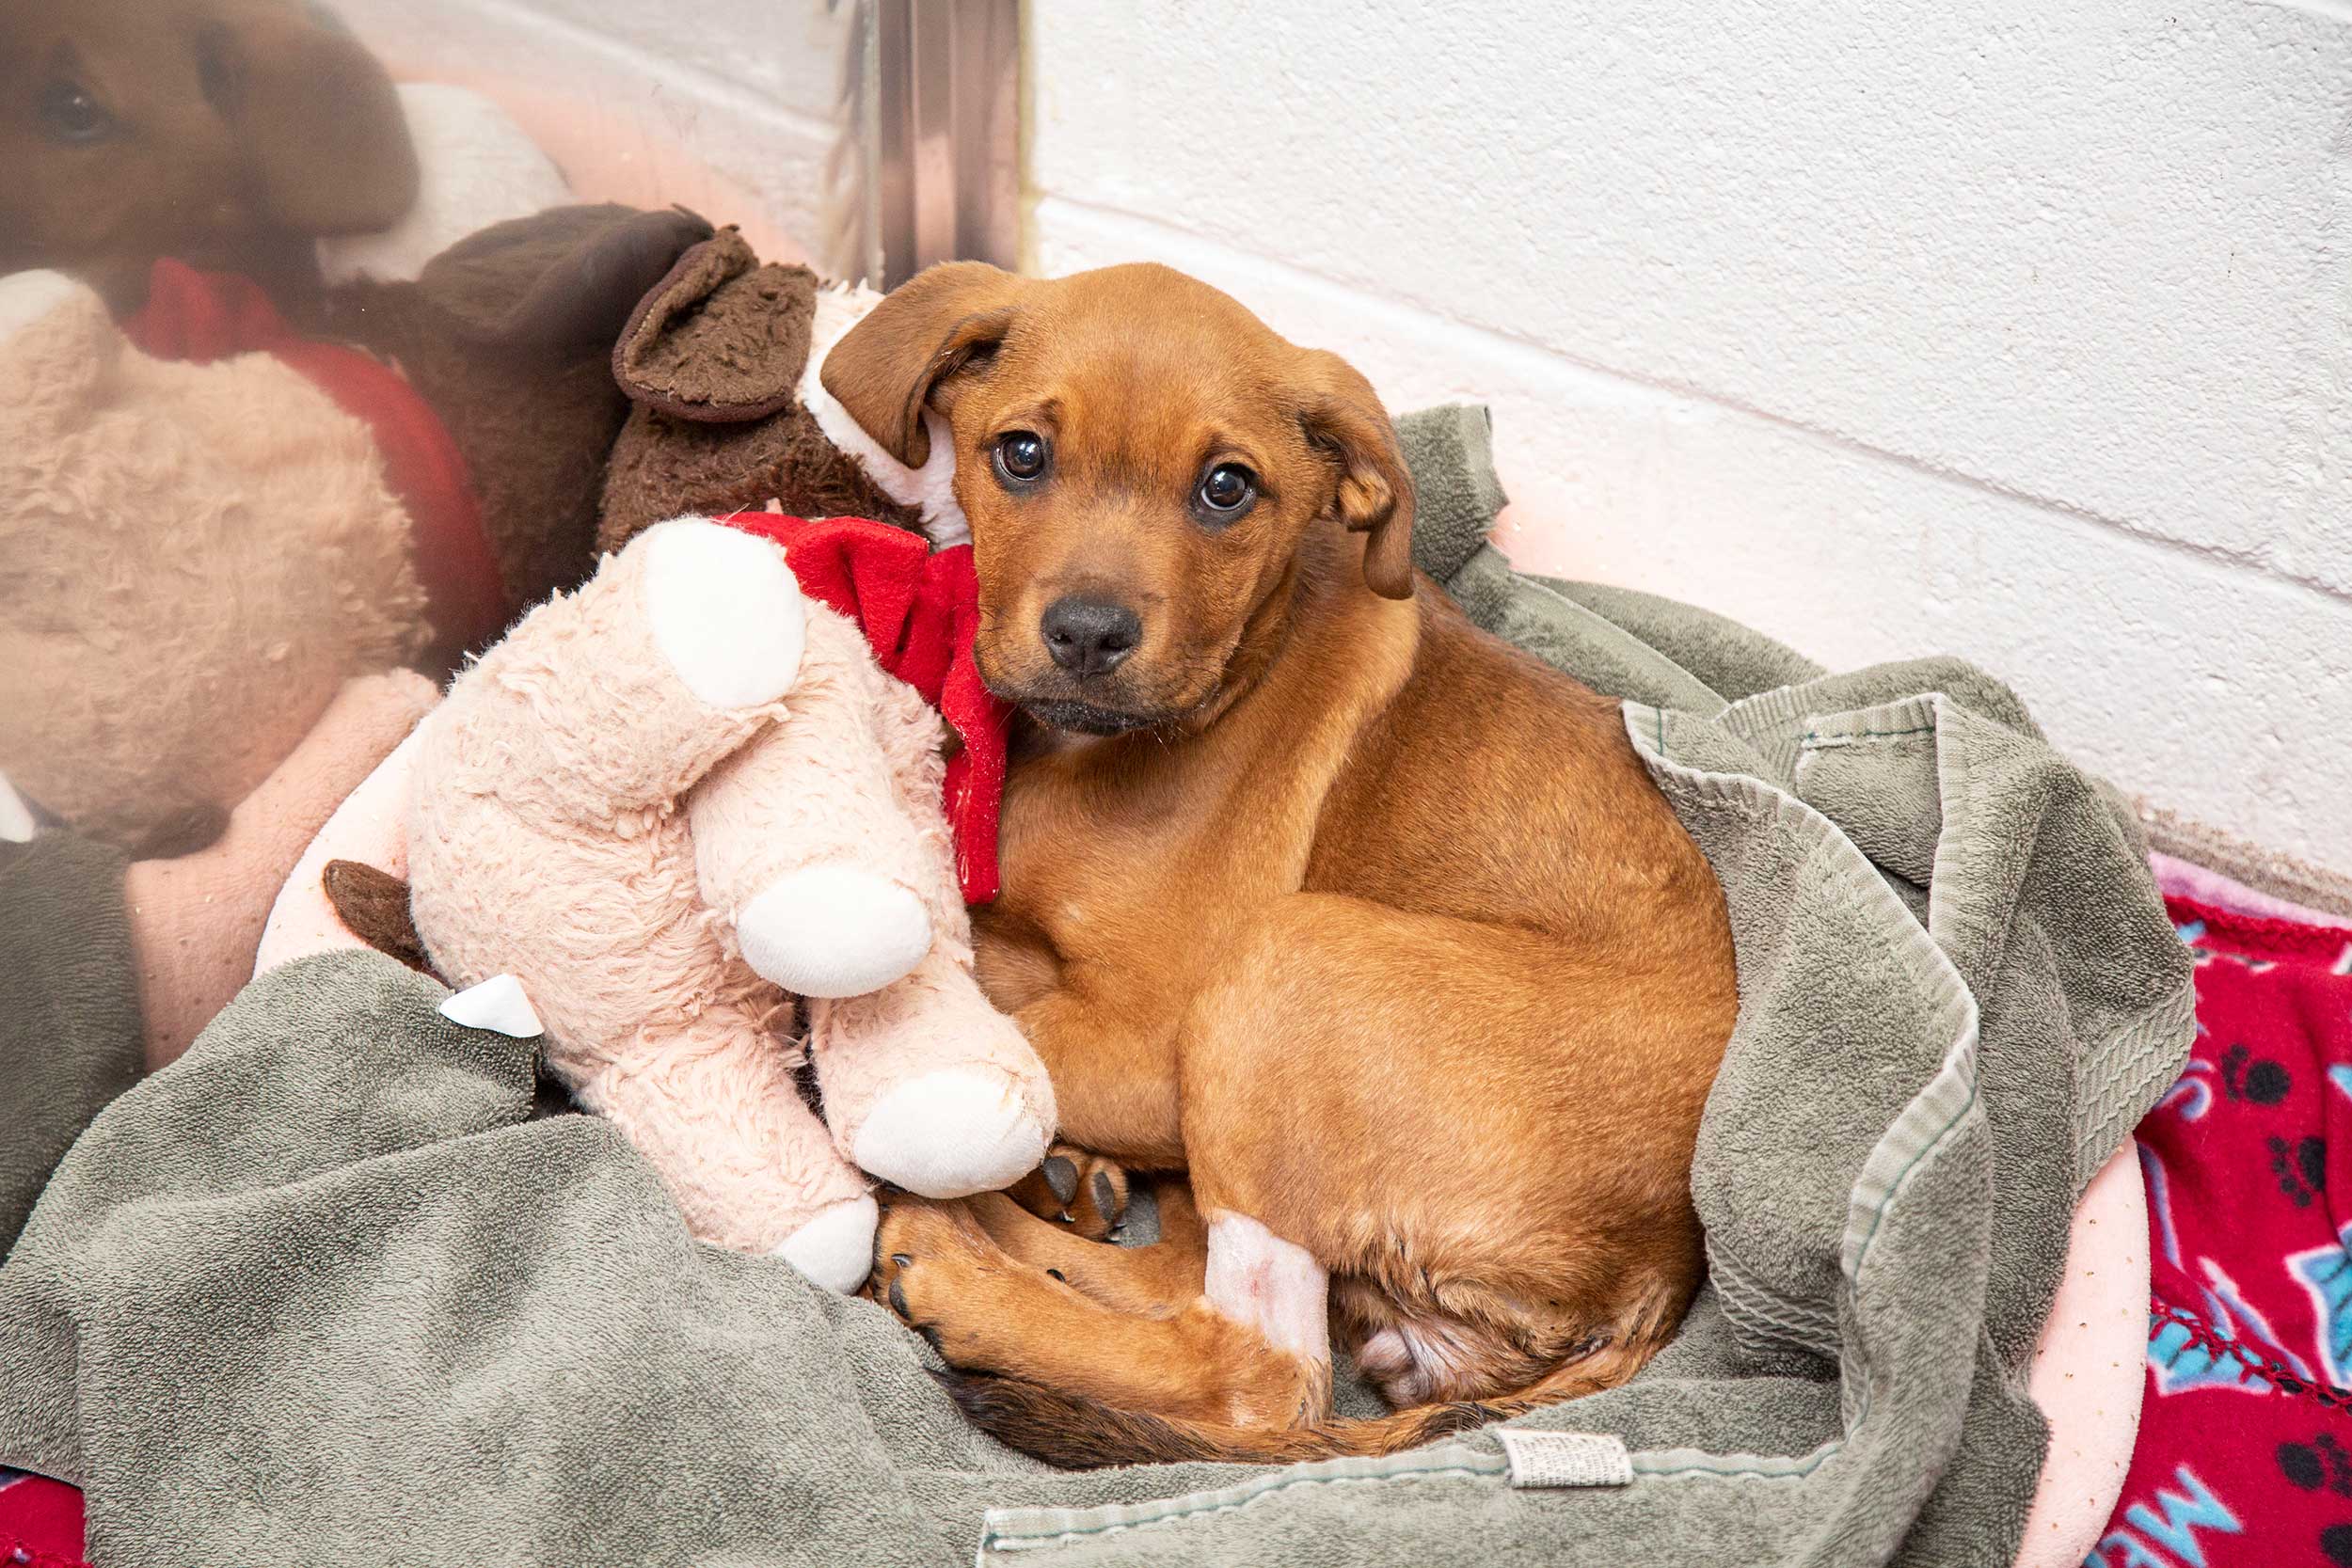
720	361
508	335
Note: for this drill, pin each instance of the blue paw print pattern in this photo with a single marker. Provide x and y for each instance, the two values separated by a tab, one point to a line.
2326	1273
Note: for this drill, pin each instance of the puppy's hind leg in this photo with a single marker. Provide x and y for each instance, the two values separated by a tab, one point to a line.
1158	1279
989	1312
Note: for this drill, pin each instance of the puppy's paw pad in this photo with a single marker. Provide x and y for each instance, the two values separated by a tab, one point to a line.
1072	1187
952	1132
725	611
835	1249
834	931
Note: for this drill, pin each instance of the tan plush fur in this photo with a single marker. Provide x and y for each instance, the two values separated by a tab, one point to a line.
193	560
584	821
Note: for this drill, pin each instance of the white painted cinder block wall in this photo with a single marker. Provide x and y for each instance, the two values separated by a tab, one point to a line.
2012	329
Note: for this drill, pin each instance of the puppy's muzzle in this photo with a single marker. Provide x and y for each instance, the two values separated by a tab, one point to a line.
1089	637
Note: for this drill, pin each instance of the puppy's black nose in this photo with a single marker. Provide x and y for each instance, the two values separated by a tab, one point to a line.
1088	637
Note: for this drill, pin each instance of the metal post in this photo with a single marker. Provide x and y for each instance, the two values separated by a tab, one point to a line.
931	121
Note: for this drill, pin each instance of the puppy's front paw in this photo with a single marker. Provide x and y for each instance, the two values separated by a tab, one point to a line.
725	610
938	1271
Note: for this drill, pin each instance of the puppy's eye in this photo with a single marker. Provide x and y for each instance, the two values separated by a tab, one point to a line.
1021	456
1226	492
70	115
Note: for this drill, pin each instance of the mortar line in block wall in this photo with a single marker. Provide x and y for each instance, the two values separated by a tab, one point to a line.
691	79
1498	342
2334	10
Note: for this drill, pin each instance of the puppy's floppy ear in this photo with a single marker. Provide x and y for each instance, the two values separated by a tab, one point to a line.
884	369
318	117
1343	418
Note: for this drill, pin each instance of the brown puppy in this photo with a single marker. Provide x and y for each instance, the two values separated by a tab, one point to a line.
227	133
1373	924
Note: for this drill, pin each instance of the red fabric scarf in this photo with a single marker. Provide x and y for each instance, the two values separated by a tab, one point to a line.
199	317
918	609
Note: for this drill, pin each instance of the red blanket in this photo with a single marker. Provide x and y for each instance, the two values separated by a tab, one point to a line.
2245	1448
40	1521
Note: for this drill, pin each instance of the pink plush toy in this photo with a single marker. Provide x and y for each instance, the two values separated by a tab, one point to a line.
668	805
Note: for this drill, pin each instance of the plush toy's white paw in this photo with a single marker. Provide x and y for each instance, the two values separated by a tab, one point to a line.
16	818
951	1133
27	297
834	931
725	611
497	1004
836	1249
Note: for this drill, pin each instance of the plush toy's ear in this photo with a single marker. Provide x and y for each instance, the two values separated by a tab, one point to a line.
722	340
1343	416
560	281
884	370
317	114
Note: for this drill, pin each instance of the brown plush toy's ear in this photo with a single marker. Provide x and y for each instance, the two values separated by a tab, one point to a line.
317	114
722	340
884	369
374	906
562	282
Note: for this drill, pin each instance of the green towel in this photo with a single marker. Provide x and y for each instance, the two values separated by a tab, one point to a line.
323	1292
69	1023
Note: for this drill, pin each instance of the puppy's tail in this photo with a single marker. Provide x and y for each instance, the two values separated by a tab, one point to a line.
1077	1433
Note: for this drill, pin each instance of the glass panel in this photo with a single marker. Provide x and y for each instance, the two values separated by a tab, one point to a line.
308	332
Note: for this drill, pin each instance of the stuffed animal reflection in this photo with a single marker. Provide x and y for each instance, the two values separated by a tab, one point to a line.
227	134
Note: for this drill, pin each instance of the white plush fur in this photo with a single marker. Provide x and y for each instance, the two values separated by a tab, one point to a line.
725	611
951	1133
477	168
496	1005
27	297
931	489
16	817
835	1249
834	931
